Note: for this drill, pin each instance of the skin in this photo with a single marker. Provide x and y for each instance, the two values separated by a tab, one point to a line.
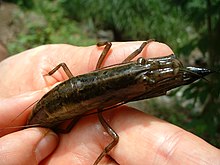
144	139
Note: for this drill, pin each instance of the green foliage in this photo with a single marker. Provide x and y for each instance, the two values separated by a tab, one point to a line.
205	18
22	3
131	20
48	27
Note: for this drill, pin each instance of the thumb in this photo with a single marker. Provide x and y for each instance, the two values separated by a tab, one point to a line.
29	146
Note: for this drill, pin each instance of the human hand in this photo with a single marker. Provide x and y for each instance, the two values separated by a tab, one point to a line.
144	139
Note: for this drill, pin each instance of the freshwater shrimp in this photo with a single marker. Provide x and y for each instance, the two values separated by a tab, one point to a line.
110	86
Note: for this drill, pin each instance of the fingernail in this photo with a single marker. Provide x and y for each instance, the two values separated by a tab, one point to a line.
46	145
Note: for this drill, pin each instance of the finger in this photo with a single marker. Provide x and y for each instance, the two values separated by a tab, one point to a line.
29	146
121	50
144	139
82	60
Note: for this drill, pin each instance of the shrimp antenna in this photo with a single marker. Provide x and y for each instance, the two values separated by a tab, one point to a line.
21	126
13	120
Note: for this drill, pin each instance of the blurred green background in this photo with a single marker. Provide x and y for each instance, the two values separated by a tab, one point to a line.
190	27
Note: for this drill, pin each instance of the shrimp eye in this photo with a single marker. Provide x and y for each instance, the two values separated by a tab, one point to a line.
141	61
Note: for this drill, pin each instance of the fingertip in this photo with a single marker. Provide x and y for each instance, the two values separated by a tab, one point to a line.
158	49
46	145
29	146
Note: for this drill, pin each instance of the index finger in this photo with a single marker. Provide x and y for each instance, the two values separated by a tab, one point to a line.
84	59
121	50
